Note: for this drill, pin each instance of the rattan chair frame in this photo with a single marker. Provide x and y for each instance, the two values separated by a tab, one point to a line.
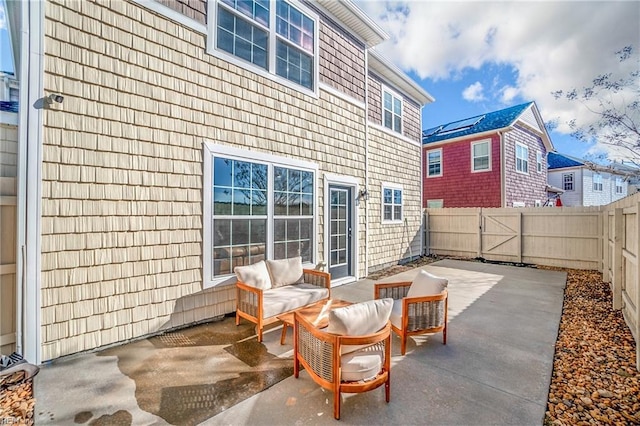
250	301
319	353
433	321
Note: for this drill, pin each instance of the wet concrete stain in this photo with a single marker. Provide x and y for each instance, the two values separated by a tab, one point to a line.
119	418
190	375
83	417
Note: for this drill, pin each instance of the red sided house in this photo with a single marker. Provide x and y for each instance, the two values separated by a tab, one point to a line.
498	159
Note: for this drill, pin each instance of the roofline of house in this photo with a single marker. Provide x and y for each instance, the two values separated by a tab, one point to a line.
395	75
354	18
467	137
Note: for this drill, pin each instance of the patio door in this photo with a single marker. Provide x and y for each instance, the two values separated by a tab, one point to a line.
340	231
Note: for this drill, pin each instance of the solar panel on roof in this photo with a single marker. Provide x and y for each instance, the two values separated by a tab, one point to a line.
460	125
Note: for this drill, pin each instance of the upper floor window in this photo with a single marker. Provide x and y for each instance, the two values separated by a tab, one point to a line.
434	163
480	156
539	162
567	181
392	111
391	203
619	188
597	182
274	36
522	158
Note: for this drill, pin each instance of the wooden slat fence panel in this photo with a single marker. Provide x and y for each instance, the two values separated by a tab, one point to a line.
7	265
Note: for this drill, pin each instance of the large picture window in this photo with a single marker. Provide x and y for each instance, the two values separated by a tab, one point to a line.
260	208
277	36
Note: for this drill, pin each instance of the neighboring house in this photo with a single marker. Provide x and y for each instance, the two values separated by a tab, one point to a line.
497	159
193	136
587	184
9	87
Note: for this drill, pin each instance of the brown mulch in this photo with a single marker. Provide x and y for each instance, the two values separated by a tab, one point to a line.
594	378
16	400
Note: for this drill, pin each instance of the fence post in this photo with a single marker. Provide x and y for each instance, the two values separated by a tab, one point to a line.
520	237
617	258
426	233
605	247
479	233
637	287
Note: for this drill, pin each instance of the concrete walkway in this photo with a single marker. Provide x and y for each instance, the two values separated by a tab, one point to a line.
495	369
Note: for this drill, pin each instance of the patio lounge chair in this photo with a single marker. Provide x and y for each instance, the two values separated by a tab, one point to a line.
352	355
419	307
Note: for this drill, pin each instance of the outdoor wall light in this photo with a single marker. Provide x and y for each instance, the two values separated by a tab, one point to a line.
363	195
55	97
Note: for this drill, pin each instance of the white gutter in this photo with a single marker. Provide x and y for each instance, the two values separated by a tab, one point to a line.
366	161
503	184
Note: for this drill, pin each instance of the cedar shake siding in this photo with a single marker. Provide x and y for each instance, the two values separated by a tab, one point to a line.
123	163
194	9
458	186
526	188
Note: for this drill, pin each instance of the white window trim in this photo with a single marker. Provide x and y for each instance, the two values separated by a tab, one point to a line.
516	158
488	142
593	183
393	134
619	179
212	18
427	163
392	186
539	161
211	149
573	181
395	95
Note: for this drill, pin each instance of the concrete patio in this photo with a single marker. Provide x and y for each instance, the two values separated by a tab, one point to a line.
495	369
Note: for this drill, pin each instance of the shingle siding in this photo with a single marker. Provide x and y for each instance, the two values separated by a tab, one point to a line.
519	187
194	9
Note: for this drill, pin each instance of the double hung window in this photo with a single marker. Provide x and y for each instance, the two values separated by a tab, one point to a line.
392	111
480	156
597	182
391	203
539	162
522	158
619	188
257	208
567	182
434	163
277	36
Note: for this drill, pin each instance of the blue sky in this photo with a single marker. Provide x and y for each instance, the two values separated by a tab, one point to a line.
475	57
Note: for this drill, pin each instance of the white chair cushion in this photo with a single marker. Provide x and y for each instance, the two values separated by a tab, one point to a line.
284	299
364	364
360	318
396	314
285	271
426	284
255	275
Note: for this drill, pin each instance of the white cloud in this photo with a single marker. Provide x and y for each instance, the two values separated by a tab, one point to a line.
474	93
552	46
3	17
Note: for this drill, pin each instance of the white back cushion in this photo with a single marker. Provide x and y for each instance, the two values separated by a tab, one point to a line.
285	271
426	284
255	275
361	318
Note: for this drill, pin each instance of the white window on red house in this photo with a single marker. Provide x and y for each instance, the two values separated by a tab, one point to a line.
434	163
480	156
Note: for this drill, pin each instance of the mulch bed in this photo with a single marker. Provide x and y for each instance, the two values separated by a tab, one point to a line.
594	378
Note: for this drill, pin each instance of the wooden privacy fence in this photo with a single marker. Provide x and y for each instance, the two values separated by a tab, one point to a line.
601	238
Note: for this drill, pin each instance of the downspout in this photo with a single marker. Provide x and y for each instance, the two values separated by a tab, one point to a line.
366	161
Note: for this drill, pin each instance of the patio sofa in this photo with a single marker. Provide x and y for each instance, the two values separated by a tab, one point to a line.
267	289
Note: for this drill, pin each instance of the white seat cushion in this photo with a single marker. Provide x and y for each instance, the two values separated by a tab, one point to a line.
255	275
285	271
283	299
363	364
396	314
359	319
426	284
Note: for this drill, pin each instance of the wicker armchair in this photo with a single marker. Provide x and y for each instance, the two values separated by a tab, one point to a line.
415	315
321	354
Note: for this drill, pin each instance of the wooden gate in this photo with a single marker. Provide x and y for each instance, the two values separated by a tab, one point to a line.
7	265
501	235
